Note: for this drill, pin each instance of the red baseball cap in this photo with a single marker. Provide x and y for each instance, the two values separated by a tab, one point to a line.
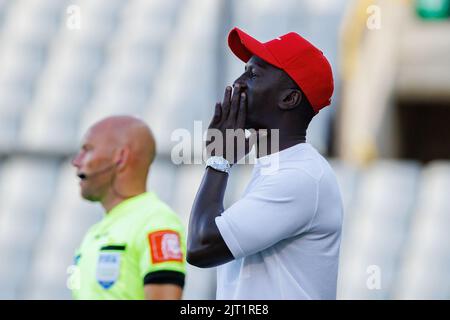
302	61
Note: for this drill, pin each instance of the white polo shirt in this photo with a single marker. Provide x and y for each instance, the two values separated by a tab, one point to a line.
285	231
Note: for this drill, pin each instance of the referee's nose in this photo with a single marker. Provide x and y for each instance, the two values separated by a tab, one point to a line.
76	161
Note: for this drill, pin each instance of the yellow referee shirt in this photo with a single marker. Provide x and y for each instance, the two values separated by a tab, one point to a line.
140	241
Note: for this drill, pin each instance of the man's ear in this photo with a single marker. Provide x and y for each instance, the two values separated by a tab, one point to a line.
290	99
122	158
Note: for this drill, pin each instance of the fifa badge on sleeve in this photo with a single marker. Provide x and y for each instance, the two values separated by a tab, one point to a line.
108	269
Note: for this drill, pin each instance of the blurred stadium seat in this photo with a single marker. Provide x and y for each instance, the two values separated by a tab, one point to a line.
425	264
167	61
379	223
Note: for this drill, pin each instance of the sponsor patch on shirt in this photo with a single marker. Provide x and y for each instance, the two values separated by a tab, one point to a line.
165	246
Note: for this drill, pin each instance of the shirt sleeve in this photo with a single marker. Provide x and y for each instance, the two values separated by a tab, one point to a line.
161	252
278	207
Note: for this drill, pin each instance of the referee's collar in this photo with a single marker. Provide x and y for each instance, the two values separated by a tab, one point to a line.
129	203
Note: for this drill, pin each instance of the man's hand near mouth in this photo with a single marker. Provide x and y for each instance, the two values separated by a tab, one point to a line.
228	125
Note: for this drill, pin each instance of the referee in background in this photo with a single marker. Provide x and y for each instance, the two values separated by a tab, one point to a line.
137	251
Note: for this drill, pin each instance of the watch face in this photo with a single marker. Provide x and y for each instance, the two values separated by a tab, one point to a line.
218	163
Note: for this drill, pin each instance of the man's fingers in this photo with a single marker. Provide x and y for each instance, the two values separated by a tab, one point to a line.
242	113
234	103
226	102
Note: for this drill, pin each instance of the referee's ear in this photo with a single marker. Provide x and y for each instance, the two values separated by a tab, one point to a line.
122	158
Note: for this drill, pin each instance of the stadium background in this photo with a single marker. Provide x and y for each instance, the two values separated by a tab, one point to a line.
387	133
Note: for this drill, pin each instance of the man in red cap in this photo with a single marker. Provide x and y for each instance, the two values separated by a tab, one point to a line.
281	239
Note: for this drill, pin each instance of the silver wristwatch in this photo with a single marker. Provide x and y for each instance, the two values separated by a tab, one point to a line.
218	163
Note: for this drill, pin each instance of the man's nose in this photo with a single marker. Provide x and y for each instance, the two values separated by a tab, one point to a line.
76	161
241	84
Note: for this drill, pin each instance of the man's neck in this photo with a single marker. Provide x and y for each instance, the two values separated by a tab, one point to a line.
273	143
